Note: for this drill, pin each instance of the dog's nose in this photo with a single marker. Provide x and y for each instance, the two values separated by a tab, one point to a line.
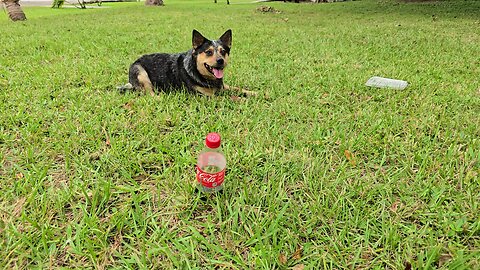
220	61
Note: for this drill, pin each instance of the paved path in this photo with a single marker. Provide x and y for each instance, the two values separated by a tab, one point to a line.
38	3
48	3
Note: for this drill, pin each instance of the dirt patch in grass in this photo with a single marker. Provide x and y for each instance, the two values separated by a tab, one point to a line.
59	173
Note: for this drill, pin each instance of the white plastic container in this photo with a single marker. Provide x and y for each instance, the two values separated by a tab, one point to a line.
381	82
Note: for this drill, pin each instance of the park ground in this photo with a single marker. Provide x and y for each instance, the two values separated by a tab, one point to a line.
323	172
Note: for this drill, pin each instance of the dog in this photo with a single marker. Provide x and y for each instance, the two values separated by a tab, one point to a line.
200	69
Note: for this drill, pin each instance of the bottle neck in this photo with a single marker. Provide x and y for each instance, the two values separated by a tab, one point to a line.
208	149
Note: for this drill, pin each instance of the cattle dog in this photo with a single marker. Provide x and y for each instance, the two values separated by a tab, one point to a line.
200	69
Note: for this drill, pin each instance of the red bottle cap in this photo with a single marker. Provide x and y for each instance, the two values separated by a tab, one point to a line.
213	140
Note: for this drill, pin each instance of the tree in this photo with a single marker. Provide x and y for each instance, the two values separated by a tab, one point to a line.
228	2
14	10
154	3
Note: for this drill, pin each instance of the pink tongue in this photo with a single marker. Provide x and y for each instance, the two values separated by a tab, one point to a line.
218	73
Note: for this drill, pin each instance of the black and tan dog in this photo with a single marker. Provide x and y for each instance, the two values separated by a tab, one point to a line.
199	69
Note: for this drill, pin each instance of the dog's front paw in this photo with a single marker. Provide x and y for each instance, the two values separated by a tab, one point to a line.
249	93
243	91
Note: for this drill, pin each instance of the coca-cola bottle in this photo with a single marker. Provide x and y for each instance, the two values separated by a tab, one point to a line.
211	165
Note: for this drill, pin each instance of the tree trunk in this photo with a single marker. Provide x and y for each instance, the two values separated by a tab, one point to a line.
154	3
14	10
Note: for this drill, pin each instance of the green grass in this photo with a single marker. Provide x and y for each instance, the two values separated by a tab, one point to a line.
91	178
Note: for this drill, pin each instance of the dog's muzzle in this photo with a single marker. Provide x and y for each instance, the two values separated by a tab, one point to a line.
216	71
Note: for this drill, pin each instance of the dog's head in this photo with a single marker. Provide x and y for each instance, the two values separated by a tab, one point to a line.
211	55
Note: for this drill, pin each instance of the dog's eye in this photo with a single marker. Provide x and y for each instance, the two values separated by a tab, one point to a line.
209	53
222	52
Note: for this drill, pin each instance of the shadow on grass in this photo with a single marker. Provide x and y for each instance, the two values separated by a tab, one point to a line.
444	9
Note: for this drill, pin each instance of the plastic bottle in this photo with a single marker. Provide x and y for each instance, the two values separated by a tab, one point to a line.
211	165
381	82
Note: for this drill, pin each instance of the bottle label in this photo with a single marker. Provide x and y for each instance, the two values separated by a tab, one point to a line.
210	180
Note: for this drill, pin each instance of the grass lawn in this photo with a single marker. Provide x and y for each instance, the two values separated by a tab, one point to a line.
323	172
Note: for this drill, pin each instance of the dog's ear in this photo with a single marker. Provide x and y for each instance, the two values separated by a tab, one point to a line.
226	38
197	39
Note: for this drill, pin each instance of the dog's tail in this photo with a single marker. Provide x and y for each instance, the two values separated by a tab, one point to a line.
124	88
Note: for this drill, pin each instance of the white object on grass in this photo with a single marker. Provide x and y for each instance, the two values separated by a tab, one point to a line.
386	83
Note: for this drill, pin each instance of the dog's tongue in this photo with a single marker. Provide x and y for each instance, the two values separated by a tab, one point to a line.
218	73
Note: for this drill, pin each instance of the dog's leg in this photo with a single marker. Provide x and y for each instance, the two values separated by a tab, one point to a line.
209	92
140	80
240	90
145	82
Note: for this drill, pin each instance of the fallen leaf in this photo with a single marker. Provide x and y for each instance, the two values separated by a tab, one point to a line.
95	155
299	267
282	258
19	175
285	19
236	98
394	206
350	157
117	242
297	255
444	258
107	138
169	122
18	207
368	254
408	266
128	105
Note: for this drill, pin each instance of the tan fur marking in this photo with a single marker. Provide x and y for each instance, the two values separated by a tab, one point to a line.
206	91
202	58
225	58
211	49
144	81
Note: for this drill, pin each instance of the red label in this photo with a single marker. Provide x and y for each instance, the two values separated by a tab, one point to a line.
210	180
